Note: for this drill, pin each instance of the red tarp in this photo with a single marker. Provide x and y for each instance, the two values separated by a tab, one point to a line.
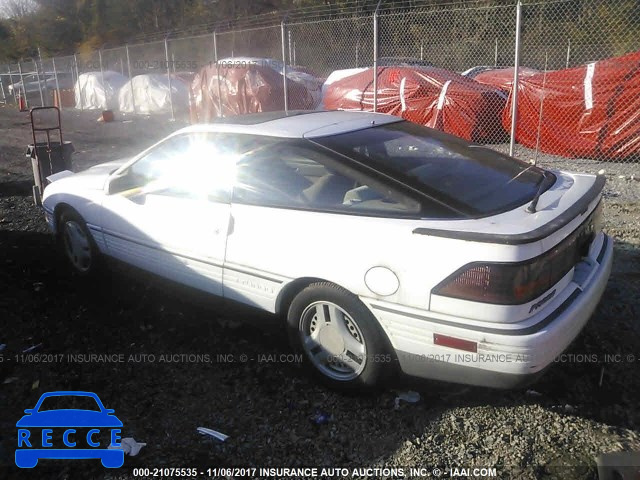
244	90
433	97
588	111
502	78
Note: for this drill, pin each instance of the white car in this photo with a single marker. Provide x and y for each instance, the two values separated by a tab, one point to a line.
388	245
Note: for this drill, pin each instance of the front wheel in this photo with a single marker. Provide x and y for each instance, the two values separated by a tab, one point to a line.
341	340
77	243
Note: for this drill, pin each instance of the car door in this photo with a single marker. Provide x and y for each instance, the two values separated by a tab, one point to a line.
297	212
169	211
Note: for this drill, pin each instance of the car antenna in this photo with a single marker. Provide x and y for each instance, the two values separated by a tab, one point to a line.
534	203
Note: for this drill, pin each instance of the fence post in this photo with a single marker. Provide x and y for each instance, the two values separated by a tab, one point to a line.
544	84
74	80
133	96
102	69
35	64
104	85
166	55
75	59
514	88
568	52
45	76
11	80
55	75
495	57
24	92
375	57
284	66
215	58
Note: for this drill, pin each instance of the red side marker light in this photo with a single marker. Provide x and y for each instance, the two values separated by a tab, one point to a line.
457	343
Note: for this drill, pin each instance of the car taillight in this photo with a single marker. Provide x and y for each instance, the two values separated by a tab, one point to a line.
518	283
500	283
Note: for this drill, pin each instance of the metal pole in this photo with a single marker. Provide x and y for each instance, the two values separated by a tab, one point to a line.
294	53
357	54
544	82
75	59
43	71
568	52
421	49
74	80
24	92
289	38
215	57
495	58
121	67
133	97
55	75
284	67
514	88
166	54
102	71
13	90
375	57
35	64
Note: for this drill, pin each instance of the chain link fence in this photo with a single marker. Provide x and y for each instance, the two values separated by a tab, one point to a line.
575	64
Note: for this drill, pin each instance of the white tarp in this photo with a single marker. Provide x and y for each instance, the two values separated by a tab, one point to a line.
151	94
92	94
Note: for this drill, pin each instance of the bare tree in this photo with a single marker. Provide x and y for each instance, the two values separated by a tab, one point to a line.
17	8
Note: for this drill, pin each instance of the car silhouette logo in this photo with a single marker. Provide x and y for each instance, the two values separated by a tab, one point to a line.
34	444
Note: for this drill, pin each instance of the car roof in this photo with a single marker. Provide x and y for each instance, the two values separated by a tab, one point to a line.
295	123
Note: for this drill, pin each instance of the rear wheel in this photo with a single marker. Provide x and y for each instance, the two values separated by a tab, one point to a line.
77	243
341	340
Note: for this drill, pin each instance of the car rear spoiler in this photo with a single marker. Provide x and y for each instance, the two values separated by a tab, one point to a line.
578	208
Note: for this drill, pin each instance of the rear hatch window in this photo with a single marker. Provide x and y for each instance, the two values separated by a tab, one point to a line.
470	178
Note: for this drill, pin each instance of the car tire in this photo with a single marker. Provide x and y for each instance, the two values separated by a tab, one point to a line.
77	244
341	341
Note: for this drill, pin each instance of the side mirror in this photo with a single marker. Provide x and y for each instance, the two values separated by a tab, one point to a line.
117	183
29	411
109	411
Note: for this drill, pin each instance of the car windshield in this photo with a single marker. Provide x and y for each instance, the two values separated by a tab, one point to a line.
470	178
66	402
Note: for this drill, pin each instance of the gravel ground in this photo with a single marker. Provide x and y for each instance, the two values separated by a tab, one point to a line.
584	406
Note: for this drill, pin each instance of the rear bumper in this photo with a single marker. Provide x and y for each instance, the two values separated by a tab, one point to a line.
504	359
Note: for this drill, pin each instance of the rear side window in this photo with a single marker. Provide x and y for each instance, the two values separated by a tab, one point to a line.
470	178
285	174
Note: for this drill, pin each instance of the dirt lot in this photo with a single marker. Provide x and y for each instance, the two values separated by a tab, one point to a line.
586	405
